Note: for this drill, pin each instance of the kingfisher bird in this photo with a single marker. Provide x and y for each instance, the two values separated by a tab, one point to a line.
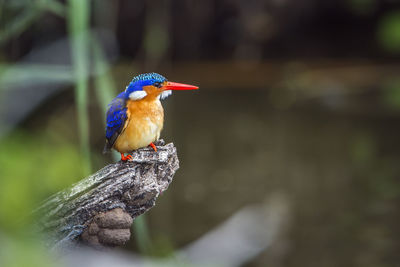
135	117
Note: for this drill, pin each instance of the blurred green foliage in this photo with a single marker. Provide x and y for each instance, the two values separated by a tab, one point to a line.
17	16
391	93
17	252
32	168
363	149
380	171
362	7
389	32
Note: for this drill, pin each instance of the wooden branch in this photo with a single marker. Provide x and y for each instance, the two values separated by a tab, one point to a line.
123	187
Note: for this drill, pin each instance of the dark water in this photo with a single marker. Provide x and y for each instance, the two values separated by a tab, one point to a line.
337	166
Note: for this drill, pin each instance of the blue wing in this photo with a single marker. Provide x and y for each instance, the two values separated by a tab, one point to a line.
116	117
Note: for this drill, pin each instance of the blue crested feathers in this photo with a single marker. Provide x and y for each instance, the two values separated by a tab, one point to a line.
141	80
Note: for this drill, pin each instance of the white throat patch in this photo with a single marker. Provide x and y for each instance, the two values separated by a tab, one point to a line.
165	94
137	95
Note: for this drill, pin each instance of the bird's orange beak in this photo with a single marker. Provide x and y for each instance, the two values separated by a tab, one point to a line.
179	86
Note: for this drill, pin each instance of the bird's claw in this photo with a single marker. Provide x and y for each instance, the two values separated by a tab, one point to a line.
153	146
126	158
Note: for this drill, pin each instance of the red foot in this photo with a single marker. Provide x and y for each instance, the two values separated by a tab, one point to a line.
123	158
153	146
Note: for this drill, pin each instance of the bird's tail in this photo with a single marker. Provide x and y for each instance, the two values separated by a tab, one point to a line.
107	148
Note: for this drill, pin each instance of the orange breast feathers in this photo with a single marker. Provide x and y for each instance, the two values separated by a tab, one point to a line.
143	125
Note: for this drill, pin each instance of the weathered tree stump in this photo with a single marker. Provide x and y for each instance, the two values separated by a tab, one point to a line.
102	206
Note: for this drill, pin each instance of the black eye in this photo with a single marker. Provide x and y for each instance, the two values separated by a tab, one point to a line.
157	84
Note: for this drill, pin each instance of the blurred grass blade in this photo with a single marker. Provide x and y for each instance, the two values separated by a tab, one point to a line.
19	24
104	83
32	11
32	73
78	26
142	235
54	7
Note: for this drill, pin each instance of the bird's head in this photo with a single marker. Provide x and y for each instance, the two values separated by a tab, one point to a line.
153	85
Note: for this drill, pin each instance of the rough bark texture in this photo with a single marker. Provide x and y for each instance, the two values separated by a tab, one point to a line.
106	202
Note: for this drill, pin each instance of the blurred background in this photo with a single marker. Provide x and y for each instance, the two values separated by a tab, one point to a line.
296	122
